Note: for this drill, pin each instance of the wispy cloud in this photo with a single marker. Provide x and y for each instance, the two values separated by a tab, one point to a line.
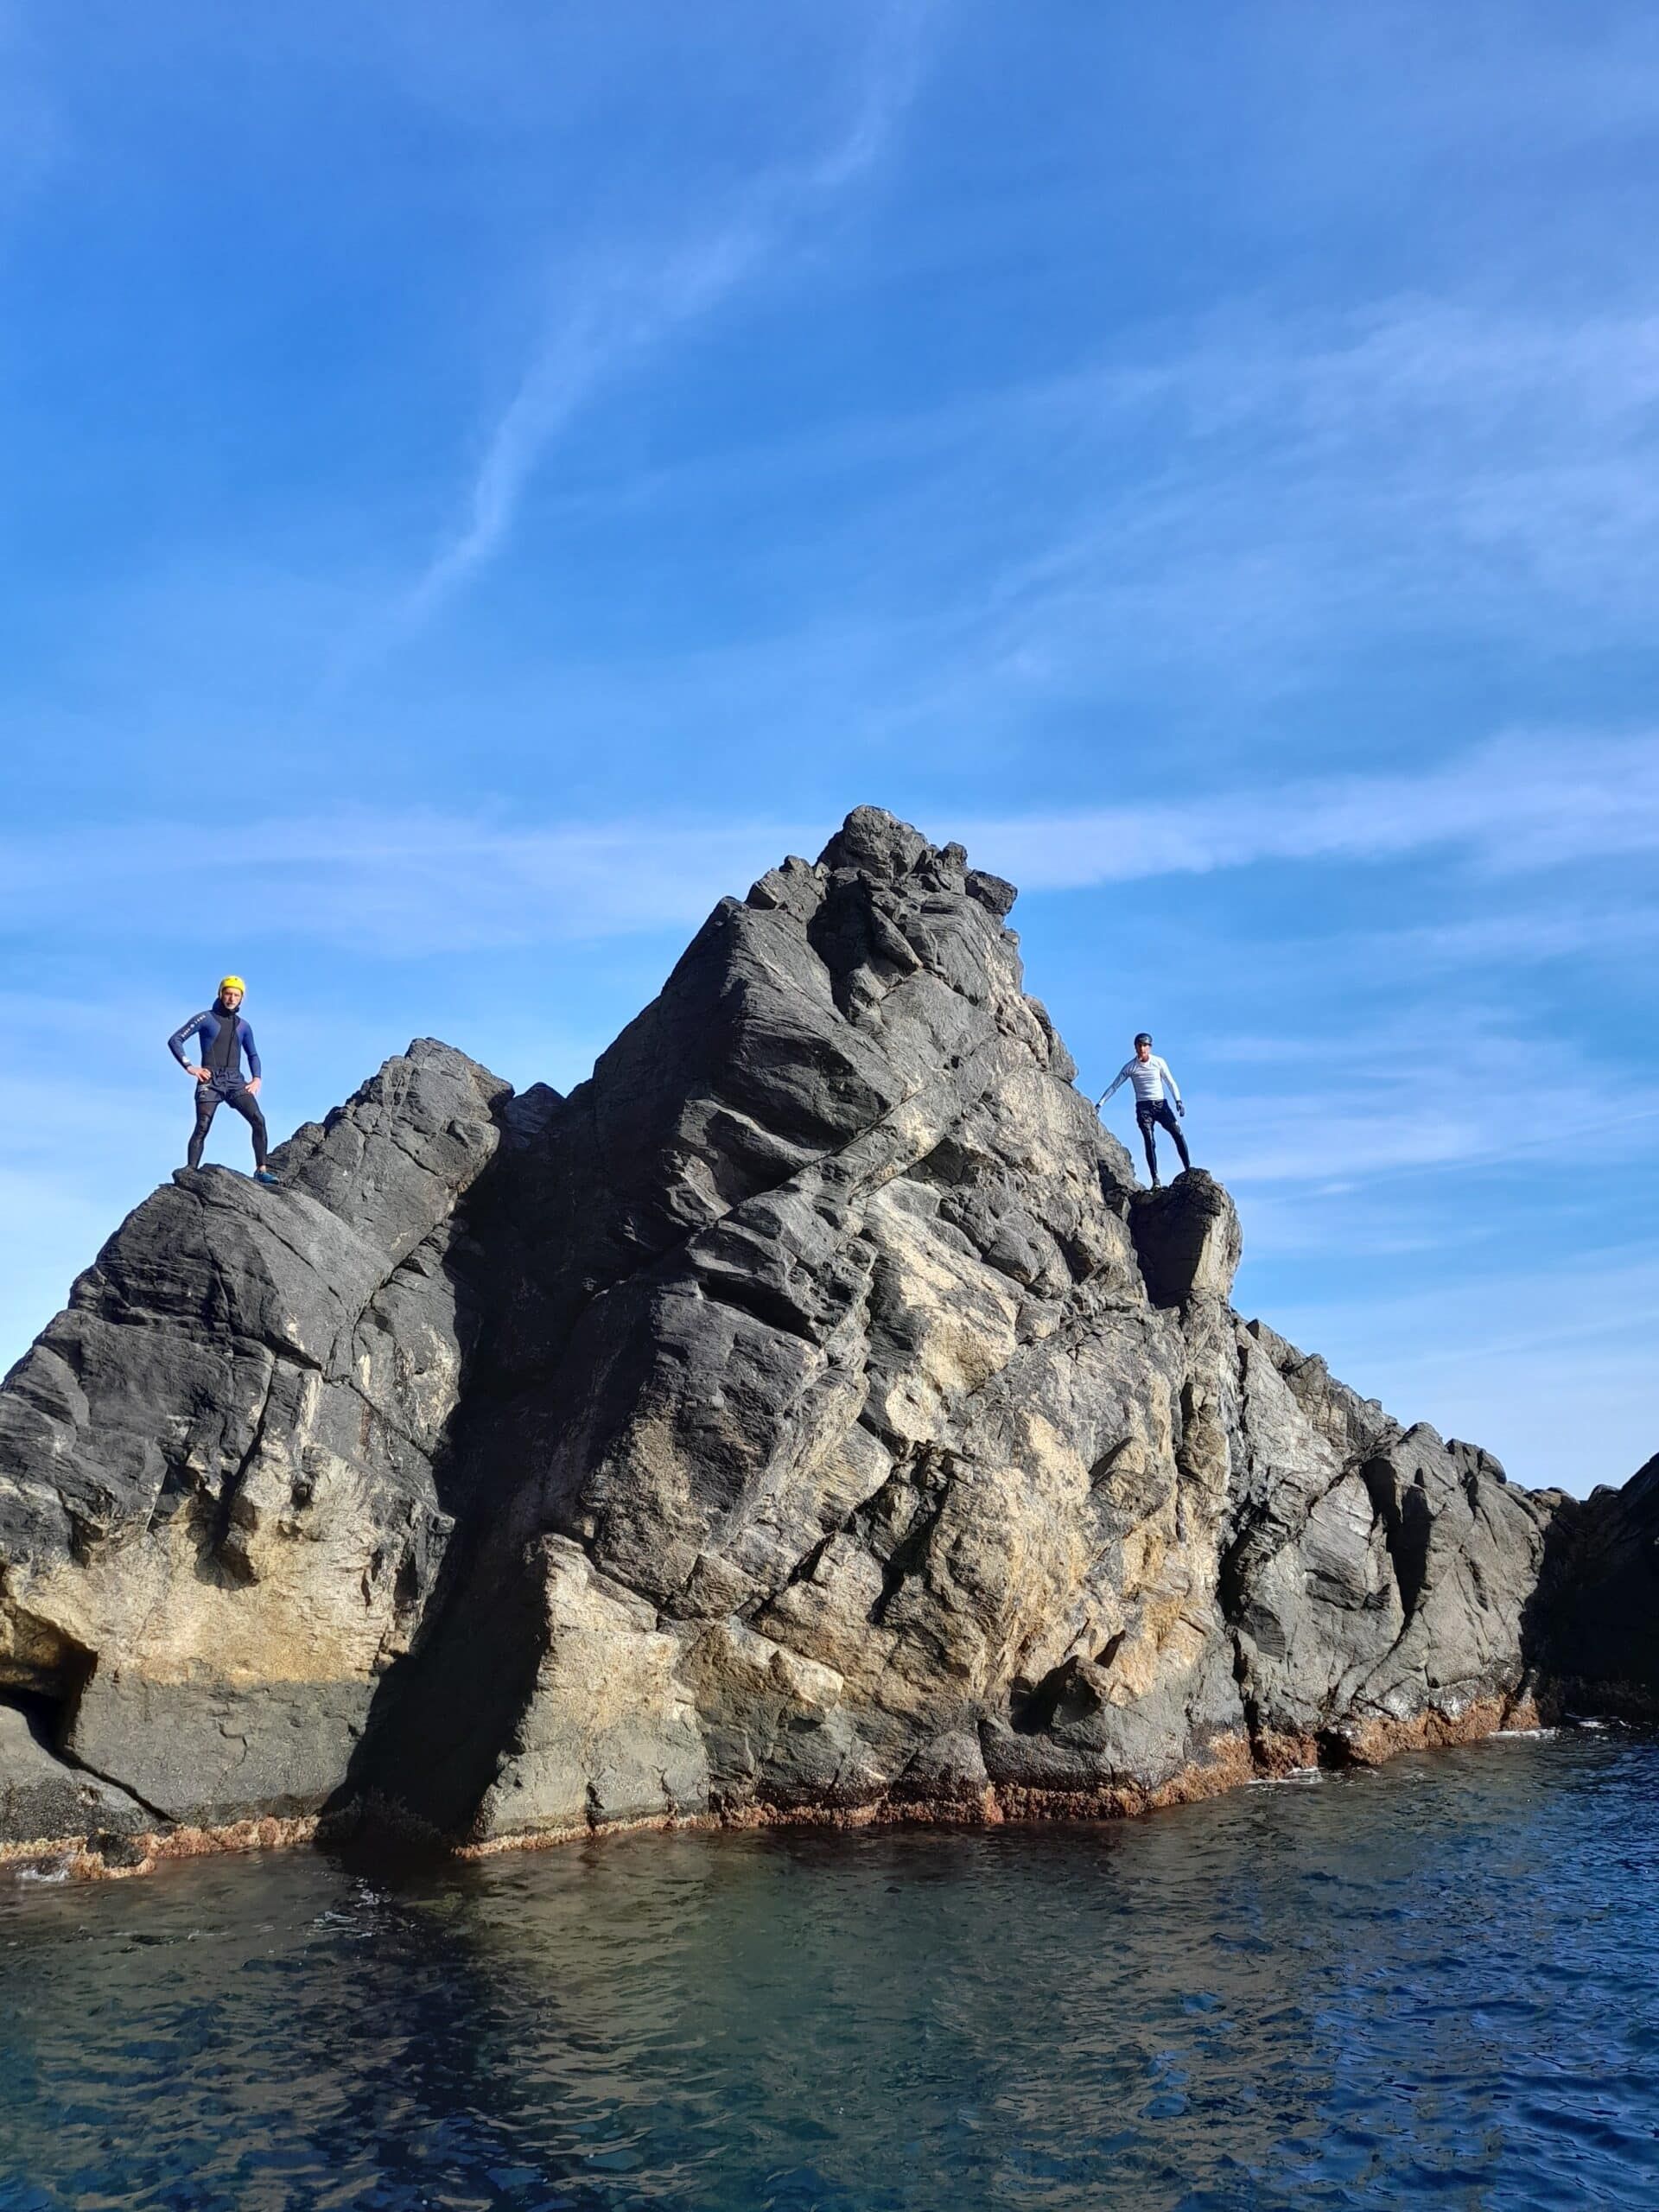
409	884
1521	803
625	304
1237	511
1517	940
1248	503
1330	1139
1262	497
1553	1371
617	314
1407	1087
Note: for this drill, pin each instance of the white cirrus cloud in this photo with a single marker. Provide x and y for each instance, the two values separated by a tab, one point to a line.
624	305
425	881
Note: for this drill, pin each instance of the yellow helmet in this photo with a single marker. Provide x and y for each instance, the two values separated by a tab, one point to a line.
231	983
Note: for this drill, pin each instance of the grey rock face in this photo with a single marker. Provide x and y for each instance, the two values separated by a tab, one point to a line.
809	1415
219	1512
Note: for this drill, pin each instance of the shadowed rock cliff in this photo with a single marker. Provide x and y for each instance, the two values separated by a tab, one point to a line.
808	1416
1595	1615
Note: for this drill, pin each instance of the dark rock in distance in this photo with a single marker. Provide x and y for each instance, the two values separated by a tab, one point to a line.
1598	1609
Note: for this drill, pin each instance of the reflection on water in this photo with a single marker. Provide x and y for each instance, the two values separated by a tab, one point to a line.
1434	1981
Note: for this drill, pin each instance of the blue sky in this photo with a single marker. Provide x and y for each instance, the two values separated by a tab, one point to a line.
482	481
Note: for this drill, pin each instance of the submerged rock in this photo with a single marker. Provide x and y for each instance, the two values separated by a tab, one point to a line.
809	1416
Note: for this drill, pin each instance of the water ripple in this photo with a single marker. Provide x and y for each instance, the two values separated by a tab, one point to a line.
1439	1982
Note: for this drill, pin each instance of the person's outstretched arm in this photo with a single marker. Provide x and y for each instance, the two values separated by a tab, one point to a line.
254	1070
176	1045
1165	1070
1123	1077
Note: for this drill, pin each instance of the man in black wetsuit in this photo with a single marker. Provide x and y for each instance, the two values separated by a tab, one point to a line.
222	1037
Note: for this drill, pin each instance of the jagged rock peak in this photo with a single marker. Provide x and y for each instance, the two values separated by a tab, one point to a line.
873	842
877	845
808	1416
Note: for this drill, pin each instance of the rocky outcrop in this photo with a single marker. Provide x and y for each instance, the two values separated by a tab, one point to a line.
807	1417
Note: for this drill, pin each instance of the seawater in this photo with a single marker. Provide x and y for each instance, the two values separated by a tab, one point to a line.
1433	1983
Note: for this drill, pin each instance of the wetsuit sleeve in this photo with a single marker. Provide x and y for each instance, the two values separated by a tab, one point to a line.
1169	1078
175	1042
1119	1080
249	1047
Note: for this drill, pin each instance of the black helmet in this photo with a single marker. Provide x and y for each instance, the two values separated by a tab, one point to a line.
1144	1037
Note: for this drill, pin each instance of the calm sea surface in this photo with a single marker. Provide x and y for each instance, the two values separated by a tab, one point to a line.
1439	1982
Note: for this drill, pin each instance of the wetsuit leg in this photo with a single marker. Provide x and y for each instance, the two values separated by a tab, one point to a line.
206	1107
1145	1113
1166	1118
248	1107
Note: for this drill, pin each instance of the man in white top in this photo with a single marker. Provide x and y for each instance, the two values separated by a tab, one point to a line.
1150	1076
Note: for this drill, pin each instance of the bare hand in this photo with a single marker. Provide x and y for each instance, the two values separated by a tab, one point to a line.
253	1088
200	1074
